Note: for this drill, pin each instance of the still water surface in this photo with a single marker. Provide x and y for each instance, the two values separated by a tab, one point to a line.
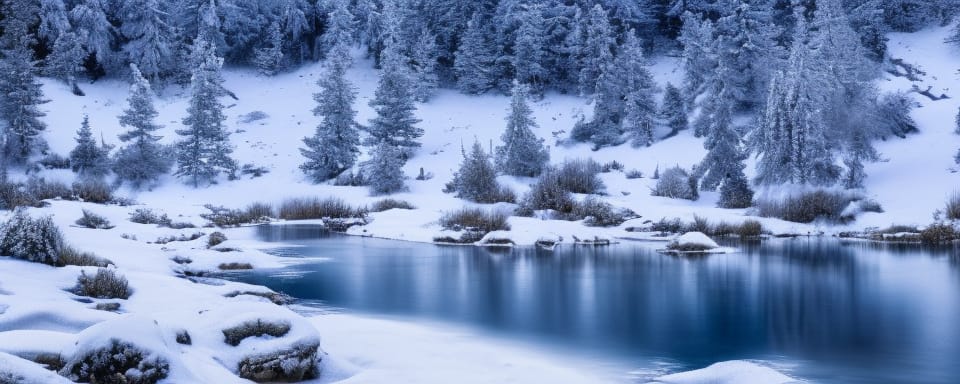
823	310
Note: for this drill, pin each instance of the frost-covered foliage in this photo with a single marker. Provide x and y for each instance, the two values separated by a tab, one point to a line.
37	240
474	59
93	191
818	204
388	204
580	176
204	150
215	239
143	159
522	152
893	114
89	159
478	219
318	208
105	284
296	363
255	328
952	210
93	221
22	95
148	216
334	146
477	179
115	363
598	213
676	183
546	194
384	171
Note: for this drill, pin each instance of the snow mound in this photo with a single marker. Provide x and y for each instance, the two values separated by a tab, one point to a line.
16	370
732	372
692	242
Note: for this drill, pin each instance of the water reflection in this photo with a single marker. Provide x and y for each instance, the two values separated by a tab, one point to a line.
858	311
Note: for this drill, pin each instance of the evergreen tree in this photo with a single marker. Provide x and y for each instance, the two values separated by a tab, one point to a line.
88	159
149	38
95	31
474	60
395	123
66	59
672	110
745	41
522	152
724	159
477	179
597	52
269	58
385	170
340	27
53	20
204	151
144	159
698	56
423	63
22	95
333	147
735	191
528	51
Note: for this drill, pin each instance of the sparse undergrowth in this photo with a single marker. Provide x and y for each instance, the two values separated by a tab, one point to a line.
388	204
474	223
105	284
809	206
254	328
117	363
316	208
93	221
746	229
952	211
234	266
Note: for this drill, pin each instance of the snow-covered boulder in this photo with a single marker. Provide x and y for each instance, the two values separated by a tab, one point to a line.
692	242
728	372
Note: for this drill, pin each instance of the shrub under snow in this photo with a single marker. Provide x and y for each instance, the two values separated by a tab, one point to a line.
676	183
105	284
37	240
117	362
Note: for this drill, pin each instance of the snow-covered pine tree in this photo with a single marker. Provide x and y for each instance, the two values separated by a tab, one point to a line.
53	21
204	150
423	64
88	159
394	123
149	38
672	110
748	48
698	56
724	157
333	147
144	159
95	31
340	27
269	58
529	51
858	150
22	95
735	191
597	50
385	170
639	109
474	59
522	152
66	58
476	180
558	61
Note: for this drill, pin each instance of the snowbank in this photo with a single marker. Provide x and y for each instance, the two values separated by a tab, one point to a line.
728	372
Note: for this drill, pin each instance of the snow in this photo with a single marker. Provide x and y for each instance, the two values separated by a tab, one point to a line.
695	239
732	372
16	370
37	315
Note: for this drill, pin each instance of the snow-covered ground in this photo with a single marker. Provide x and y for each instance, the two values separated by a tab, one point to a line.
37	314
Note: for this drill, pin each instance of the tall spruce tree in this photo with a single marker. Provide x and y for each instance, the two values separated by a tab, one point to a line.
423	64
672	110
269	58
149	38
143	160
474	59
204	150
528	51
88	159
597	50
21	93
476	180
66	58
340	27
385	170
522	152
394	123
724	159
333	148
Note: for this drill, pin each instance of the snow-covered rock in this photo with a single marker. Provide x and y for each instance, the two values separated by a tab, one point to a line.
16	370
692	242
728	372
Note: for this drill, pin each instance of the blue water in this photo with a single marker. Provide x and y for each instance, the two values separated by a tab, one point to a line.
824	310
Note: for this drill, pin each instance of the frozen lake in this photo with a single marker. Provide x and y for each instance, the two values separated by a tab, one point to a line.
822	310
